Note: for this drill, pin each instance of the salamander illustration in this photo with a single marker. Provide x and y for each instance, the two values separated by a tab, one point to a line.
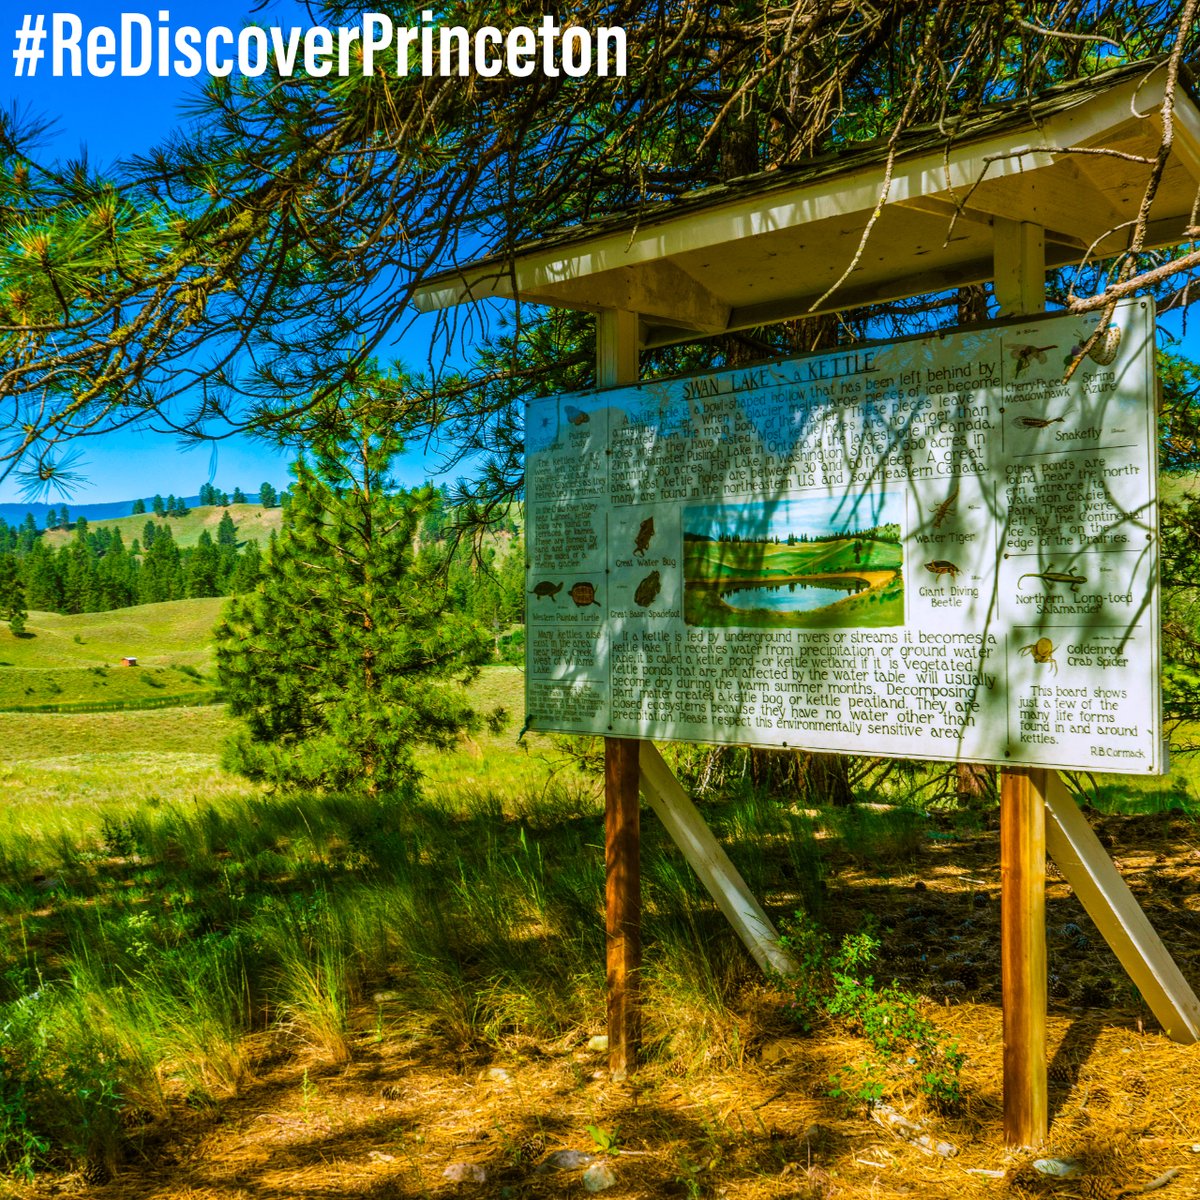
1053	576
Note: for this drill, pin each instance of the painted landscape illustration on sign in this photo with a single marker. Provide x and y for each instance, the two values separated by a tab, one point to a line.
801	563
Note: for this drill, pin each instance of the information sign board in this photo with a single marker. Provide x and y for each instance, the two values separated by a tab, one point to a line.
935	548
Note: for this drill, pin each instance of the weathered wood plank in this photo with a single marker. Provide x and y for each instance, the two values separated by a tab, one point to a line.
1023	954
1073	845
688	829
622	902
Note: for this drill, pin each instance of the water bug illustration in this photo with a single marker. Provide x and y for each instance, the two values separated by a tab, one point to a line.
944	509
1042	651
644	534
941	566
546	590
1053	576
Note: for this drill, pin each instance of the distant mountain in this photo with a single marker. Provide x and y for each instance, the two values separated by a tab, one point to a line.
14	514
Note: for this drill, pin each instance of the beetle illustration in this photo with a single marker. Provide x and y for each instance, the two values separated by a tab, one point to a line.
1042	651
1053	576
584	594
647	590
644	534
546	590
940	566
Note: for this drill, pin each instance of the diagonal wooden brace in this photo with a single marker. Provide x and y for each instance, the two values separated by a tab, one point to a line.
688	829
1073	845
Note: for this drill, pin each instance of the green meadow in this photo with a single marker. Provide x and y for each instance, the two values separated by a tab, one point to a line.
72	663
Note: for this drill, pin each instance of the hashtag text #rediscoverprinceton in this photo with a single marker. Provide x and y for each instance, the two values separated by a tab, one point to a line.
141	46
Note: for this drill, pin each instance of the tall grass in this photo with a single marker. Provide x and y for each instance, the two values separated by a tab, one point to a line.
145	947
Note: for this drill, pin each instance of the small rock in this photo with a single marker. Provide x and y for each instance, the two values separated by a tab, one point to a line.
499	1075
599	1043
817	1134
379	1156
385	997
465	1173
779	1050
566	1160
1059	1168
598	1177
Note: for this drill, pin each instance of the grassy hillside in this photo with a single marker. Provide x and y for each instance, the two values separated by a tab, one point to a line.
254	523
720	562
75	660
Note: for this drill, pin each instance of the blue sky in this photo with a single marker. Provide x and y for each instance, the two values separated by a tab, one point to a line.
116	117
120	116
816	516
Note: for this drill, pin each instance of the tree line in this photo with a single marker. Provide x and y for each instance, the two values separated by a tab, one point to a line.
96	572
481	579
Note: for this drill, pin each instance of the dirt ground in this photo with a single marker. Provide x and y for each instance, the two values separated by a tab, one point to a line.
1125	1101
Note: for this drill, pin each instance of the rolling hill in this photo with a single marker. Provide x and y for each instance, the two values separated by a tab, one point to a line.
72	663
254	523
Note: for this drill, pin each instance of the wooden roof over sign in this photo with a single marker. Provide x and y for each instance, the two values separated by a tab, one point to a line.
767	247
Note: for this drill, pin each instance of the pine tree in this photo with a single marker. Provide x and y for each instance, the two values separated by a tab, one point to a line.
161	576
139	507
239	497
343	657
267	496
226	531
12	594
203	568
157	506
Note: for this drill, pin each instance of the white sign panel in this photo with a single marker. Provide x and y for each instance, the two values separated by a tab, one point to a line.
936	548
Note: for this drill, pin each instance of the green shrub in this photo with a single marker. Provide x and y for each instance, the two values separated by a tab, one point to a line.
915	1053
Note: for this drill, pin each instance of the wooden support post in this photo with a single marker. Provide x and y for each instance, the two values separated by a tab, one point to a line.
1019	255
665	794
1019	273
1104	894
616	347
1023	954
623	902
617	363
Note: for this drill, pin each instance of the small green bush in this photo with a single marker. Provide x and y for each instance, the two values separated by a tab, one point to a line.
915	1054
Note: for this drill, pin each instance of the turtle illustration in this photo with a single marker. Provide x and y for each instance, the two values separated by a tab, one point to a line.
647	590
546	590
584	594
941	566
644	534
576	415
